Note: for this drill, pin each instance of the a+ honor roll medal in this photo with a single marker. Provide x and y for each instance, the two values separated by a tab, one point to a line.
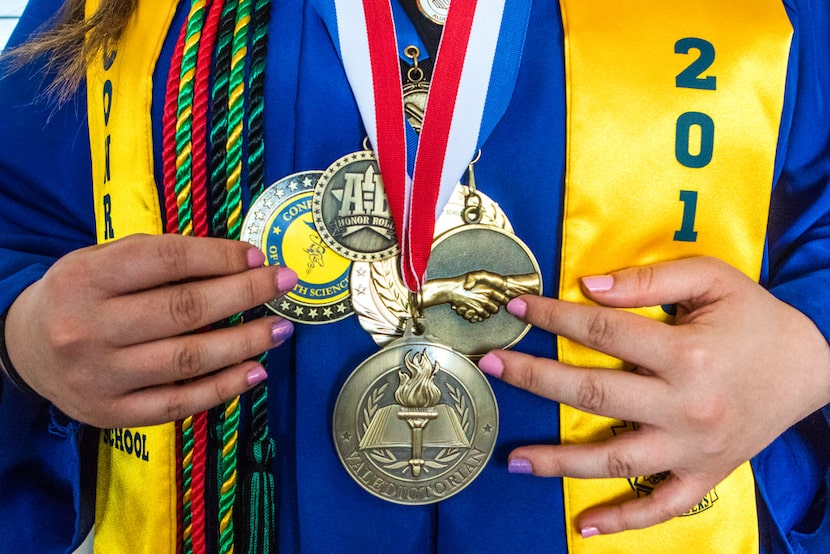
351	211
416	422
280	223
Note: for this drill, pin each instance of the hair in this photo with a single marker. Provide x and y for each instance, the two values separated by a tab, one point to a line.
69	41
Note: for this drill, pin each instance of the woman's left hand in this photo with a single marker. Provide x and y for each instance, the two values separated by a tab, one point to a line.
736	369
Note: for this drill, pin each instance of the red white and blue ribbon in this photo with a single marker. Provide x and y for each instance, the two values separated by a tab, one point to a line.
472	83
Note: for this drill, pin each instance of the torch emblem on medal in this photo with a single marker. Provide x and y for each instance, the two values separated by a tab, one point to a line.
428	422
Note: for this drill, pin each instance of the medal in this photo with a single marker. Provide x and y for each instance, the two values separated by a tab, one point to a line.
351	211
434	10
380	298
474	270
280	224
416	422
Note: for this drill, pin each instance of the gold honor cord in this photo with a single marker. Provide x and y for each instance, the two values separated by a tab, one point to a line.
673	116
136	491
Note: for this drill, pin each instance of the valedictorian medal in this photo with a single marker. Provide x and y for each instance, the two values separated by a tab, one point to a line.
280	224
416	422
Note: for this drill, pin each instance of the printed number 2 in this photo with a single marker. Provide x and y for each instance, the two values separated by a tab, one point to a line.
691	76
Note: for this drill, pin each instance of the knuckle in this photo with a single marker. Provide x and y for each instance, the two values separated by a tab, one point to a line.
65	334
644	277
528	376
619	465
590	394
600	331
693	356
188	360
187	306
221	392
250	292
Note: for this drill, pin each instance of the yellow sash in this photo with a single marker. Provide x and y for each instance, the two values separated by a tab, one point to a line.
673	115
136	491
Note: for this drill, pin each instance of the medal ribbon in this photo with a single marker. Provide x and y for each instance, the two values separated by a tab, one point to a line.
472	84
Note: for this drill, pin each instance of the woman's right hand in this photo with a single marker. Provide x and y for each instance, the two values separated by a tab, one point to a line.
107	333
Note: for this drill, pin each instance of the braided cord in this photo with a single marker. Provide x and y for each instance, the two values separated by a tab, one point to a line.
233	211
184	201
259	487
218	223
201	96
219	120
236	113
172	226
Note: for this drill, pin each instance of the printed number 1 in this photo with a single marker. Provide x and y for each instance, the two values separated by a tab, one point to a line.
687	231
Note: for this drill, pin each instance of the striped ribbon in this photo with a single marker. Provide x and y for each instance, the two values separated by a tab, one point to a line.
473	81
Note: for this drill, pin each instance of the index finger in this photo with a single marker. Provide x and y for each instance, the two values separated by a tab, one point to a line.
141	262
624	335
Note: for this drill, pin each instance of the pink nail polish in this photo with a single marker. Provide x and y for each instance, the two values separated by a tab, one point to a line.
517	307
589	532
519	466
255	258
286	279
598	283
491	365
281	330
256	375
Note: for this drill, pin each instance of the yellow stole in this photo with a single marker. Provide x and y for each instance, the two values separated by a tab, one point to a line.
673	116
136	491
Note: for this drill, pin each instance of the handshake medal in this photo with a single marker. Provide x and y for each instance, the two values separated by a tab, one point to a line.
476	266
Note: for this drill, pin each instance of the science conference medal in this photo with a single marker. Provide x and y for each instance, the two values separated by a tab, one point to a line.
416	422
280	224
351	212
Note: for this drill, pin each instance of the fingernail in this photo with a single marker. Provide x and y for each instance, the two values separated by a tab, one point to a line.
286	279
598	283
519	466
589	532
491	365
281	330
517	307
255	258
256	375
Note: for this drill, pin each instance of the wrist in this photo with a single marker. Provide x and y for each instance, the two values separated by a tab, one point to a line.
6	367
